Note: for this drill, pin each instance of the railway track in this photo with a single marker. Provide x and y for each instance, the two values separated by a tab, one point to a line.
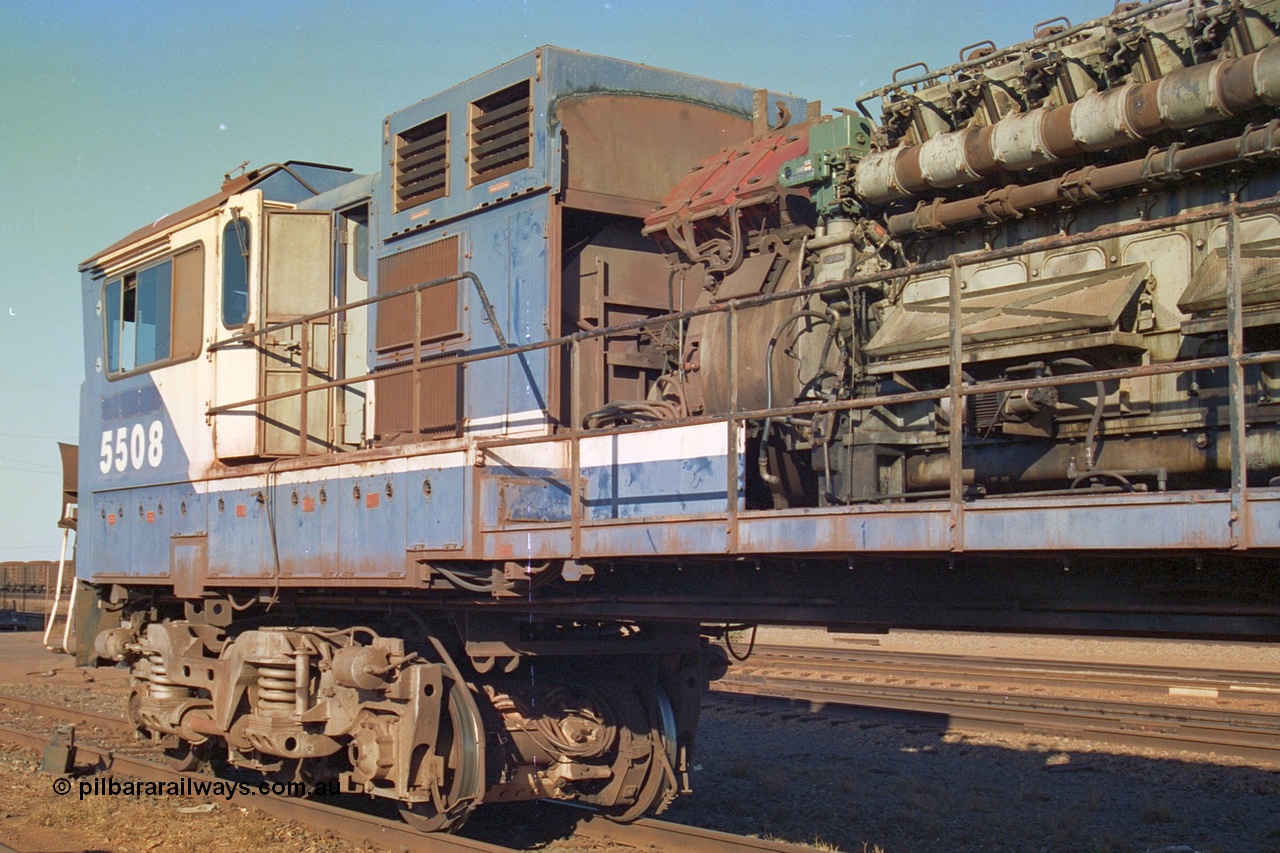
358	826
1077	675
948	687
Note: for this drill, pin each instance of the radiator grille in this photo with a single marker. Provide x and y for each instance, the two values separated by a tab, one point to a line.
439	304
501	133
422	163
439	404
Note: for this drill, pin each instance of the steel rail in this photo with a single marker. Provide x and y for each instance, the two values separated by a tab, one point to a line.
649	834
1250	736
1092	675
66	714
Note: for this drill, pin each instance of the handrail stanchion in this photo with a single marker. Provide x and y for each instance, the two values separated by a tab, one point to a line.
71	615
731	448
955	434
417	364
1240	533
57	589
304	364
575	451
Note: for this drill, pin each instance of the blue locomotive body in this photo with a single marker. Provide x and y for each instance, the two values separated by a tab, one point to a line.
189	472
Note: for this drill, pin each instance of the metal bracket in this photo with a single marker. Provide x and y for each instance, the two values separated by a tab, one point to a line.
1076	186
59	755
1161	173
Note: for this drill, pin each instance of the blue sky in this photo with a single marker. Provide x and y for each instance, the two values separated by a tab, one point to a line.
115	114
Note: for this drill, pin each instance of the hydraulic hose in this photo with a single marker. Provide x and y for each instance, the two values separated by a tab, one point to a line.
762	458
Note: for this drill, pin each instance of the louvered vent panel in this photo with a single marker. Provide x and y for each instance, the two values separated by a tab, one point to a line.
501	133
422	163
986	410
439	404
439	304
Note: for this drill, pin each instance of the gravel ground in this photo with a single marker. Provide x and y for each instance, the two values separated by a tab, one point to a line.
858	784
868	783
33	818
875	782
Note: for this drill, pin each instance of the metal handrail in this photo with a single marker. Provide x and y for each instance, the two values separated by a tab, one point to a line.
492	319
1235	360
739	304
967	259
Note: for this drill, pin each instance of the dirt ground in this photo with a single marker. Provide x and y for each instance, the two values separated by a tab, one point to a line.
866	783
34	819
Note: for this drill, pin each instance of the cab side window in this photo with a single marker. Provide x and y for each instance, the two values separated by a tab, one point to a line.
139	316
235	273
152	315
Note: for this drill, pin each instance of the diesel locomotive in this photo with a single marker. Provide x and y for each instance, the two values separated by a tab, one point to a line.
433	483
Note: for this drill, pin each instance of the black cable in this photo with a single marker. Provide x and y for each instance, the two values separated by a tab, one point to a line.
762	458
750	646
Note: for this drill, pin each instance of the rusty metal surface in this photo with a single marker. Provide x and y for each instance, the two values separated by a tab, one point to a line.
421	164
737	178
602	172
1098	121
1062	307
439	310
439	396
1088	182
1204	451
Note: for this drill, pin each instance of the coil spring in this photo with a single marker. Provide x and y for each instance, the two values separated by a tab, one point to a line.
275	689
162	687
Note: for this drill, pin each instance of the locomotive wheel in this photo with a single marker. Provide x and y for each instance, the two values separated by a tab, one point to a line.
657	790
459	791
133	709
189	757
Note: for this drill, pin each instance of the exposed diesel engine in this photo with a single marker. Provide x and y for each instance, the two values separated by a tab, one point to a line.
1073	190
